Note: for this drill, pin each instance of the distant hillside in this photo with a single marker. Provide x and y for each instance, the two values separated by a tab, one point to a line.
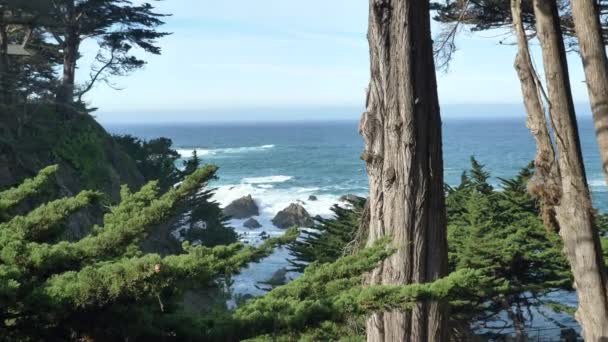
87	155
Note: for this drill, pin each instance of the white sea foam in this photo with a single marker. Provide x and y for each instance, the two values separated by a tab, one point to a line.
266	180
187	152
597	183
265	186
270	200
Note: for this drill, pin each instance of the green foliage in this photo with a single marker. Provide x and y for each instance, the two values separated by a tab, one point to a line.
200	219
501	234
203	218
155	159
497	232
485	15
327	239
68	288
11	197
602	225
65	286
333	293
84	151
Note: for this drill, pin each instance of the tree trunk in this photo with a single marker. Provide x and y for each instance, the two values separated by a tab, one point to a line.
5	93
545	185
71	44
65	94
518	322
591	44
574	213
403	152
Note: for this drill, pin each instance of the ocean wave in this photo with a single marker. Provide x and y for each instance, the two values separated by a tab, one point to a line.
187	152
597	183
270	201
266	180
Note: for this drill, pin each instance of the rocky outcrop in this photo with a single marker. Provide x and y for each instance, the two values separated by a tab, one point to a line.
312	198
252	224
294	215
242	208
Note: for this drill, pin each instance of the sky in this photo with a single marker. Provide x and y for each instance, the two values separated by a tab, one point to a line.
294	60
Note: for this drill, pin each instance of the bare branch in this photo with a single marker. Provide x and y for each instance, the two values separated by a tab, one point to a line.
95	77
447	46
59	40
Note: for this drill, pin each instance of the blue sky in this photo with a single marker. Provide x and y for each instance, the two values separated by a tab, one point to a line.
286	59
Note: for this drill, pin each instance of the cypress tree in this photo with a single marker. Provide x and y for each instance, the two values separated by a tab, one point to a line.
499	233
68	288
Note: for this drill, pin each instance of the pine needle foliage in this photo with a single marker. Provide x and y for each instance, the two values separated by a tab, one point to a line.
66	287
326	240
497	231
500	233
11	197
198	218
323	300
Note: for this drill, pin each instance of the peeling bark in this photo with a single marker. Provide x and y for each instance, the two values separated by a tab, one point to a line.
588	30
568	195
403	152
545	184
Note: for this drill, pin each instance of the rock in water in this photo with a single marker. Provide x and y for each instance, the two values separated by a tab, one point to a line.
351	198
312	198
264	236
252	224
242	208
278	278
294	215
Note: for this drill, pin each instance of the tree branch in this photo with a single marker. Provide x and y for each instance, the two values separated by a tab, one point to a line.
96	76
59	40
28	36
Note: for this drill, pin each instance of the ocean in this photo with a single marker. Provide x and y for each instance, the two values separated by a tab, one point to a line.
281	163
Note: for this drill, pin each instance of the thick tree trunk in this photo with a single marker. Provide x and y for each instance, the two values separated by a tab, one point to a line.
403	152
591	44
574	213
65	94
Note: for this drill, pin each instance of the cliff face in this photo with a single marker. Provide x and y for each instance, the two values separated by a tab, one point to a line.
87	156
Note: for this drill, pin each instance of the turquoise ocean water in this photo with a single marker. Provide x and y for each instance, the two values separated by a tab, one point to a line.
280	163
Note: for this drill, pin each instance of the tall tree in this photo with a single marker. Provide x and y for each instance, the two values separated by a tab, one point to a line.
117	25
27	59
586	17
546	169
4	73
403	151
568	195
